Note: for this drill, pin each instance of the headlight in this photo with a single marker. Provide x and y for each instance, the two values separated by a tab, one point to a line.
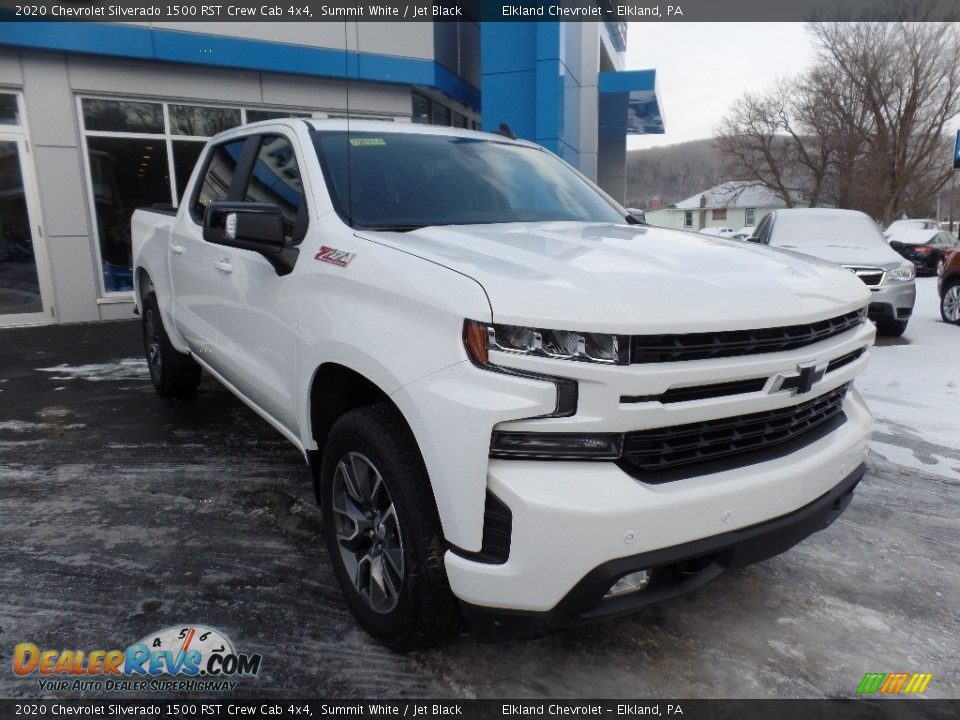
479	338
904	272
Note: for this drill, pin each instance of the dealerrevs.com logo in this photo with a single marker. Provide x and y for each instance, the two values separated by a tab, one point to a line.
182	658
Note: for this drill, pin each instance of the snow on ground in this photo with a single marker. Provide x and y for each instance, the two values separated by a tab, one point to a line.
912	385
126	369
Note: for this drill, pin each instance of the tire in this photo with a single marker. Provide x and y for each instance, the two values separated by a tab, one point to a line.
892	328
950	303
172	373
380	521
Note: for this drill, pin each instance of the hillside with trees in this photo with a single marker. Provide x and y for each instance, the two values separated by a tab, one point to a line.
673	172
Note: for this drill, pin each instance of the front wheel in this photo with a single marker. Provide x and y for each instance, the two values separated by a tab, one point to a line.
172	373
383	532
950	304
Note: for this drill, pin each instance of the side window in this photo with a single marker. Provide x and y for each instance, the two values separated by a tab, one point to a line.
275	178
750	217
221	166
688	218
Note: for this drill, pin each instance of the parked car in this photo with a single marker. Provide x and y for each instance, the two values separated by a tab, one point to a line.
743	233
947	254
949	288
851	239
515	402
924	248
718	231
898	226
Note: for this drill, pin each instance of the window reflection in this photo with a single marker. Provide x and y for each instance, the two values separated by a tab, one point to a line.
202	121
125	173
122	116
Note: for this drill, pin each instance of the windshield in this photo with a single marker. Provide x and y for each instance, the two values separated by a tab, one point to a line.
808	230
403	181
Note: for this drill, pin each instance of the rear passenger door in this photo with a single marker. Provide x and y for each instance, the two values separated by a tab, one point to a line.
193	261
259	310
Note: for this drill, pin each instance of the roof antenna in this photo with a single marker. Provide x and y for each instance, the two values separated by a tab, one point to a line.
505	130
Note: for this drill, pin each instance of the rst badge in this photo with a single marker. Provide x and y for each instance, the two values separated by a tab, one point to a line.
340	258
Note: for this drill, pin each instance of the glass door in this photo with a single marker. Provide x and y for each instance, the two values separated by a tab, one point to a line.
23	286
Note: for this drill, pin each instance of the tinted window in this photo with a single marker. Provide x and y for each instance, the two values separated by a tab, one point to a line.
203	121
185	156
125	173
122	116
418	180
218	176
9	114
276	179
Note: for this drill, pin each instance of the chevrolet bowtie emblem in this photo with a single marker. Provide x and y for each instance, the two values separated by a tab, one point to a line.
801	380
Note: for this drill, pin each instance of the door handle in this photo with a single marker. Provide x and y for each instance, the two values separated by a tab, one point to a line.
177	249
223	265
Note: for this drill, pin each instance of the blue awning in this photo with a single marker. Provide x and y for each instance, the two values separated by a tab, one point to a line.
630	103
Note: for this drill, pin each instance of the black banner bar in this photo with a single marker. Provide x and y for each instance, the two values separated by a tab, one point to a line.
476	10
224	708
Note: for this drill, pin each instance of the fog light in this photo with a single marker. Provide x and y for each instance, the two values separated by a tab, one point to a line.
634	582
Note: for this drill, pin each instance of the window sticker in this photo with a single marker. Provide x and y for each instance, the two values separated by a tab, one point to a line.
367	142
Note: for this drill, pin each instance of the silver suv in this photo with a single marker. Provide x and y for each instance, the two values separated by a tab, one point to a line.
851	239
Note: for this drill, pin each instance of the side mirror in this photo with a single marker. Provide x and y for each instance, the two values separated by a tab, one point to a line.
249	226
257	227
753	239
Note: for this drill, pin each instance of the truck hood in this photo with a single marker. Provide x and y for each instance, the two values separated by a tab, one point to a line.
632	279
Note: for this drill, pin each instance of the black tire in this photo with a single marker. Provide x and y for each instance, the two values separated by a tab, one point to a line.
950	303
172	373
419	611
892	328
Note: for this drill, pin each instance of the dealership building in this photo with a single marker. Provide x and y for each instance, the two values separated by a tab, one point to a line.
98	119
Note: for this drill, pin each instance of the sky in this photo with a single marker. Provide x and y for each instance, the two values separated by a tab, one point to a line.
703	68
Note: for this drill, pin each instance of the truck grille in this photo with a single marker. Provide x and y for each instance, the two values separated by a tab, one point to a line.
671	447
700	346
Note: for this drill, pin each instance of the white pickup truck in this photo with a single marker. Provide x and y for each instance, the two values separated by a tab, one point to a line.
518	402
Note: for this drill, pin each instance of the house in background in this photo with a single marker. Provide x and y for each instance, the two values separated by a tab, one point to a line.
734	204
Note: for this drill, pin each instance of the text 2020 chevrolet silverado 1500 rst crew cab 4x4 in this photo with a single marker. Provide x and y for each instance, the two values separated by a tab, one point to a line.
515	402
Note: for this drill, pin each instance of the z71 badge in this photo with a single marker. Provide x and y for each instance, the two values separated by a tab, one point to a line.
340	258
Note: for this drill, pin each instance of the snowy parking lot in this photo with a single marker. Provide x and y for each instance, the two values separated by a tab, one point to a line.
122	514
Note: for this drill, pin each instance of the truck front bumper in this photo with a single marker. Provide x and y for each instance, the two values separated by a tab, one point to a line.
577	527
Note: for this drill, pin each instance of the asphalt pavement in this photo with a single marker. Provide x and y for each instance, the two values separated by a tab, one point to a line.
122	513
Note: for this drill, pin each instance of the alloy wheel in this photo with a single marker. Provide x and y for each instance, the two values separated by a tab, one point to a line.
951	303
368	532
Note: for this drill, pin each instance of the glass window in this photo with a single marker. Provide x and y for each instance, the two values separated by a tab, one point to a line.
276	179
219	174
258	115
122	116
9	113
399	180
750	217
440	114
421	109
185	156
202	121
457	120
125	173
688	218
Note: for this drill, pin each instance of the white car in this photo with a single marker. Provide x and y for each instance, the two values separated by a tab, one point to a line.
516	402
718	231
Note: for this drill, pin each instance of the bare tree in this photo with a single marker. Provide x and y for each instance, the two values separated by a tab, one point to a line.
864	128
